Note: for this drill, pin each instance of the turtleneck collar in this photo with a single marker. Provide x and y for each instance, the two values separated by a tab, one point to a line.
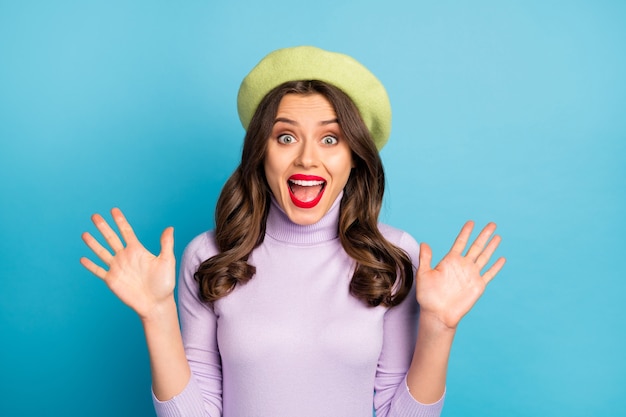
279	226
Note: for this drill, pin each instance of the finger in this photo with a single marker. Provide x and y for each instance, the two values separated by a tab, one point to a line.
167	242
100	251
426	256
461	240
109	234
493	271
485	255
480	242
93	268
123	226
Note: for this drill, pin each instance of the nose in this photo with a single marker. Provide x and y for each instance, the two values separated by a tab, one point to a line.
308	156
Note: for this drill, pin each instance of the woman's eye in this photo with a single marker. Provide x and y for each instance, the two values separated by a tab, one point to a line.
286	139
329	140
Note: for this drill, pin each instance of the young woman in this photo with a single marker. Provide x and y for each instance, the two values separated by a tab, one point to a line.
300	303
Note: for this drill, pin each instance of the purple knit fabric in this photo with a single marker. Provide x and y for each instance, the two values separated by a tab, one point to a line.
293	341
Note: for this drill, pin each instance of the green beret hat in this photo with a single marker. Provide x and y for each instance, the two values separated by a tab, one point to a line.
311	63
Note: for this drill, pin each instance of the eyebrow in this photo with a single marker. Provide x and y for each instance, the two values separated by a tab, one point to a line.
294	123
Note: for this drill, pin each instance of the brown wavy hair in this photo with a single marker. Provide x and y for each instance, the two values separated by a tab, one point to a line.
383	272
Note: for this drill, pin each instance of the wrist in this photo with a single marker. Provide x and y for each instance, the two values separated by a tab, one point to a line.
432	325
160	312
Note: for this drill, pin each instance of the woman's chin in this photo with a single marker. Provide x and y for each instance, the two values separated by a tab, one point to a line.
304	217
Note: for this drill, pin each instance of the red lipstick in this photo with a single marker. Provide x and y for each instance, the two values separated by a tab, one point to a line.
302	180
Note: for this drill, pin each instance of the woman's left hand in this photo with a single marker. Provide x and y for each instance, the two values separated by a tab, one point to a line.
449	291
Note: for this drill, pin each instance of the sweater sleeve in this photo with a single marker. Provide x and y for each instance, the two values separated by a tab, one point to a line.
203	394
392	397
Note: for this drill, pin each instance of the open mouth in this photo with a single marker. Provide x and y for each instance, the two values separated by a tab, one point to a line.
306	190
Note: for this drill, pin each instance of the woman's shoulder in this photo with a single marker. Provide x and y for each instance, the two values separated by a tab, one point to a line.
200	248
400	238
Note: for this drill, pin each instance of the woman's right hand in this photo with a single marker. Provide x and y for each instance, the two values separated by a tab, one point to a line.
141	280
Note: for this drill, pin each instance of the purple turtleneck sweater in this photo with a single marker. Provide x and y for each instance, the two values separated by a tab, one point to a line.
293	341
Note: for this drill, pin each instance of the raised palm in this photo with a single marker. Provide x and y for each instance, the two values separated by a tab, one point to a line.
450	290
140	279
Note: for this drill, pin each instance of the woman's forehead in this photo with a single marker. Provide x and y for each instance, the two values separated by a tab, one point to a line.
294	107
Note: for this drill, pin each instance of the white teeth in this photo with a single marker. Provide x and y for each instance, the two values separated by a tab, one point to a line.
304	183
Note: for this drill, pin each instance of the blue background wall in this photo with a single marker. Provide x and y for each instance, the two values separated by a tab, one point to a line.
512	111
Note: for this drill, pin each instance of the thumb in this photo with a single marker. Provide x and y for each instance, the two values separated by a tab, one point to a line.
167	242
426	256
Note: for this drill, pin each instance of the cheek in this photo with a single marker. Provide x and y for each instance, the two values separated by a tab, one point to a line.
273	175
342	167
269	175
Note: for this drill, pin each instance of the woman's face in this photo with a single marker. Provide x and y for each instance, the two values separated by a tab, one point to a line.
308	162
